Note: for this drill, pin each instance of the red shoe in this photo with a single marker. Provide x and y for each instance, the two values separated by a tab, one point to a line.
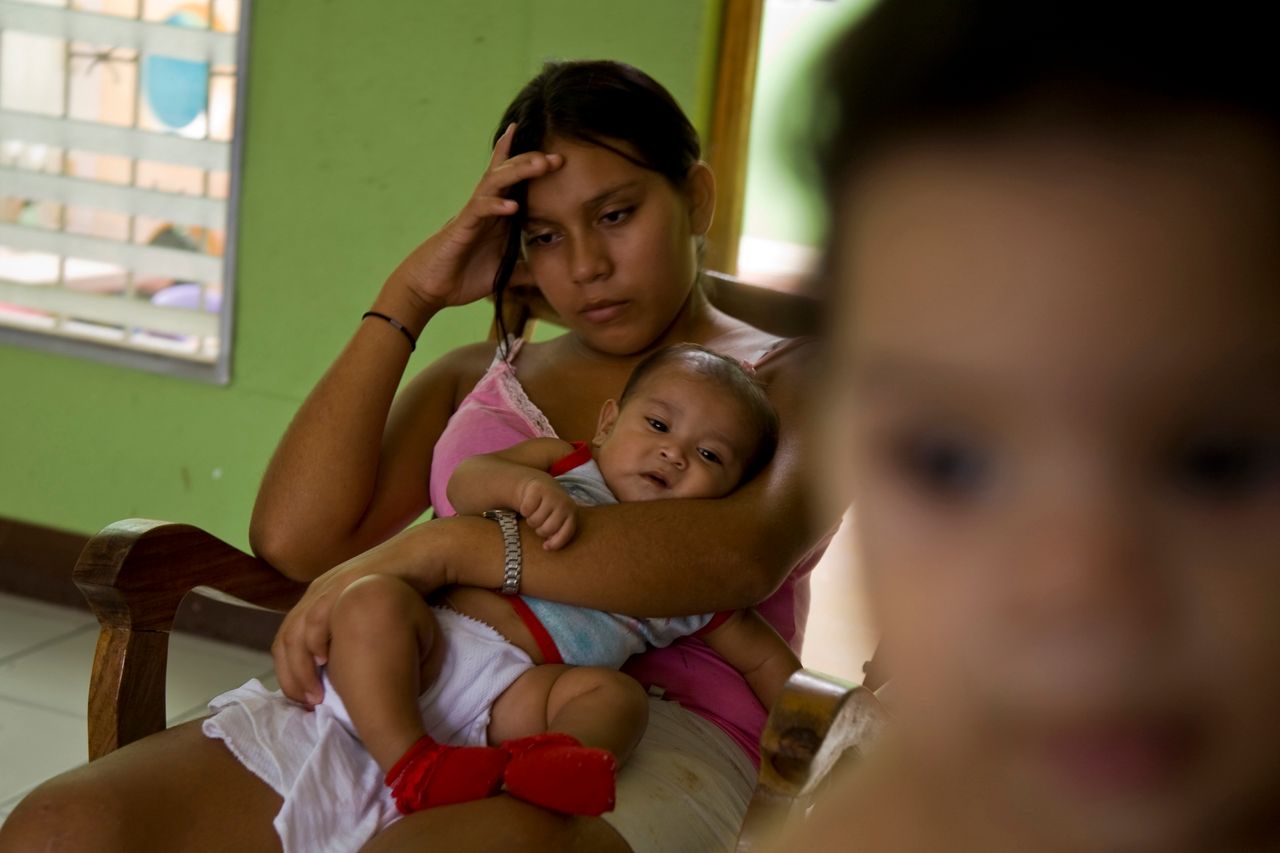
430	774
557	772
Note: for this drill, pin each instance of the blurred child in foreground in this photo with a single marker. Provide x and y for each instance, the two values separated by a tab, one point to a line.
1054	401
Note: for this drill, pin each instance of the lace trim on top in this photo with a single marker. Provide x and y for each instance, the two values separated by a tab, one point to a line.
778	347
512	391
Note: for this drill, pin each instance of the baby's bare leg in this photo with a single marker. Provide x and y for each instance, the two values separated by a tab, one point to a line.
567	730
384	653
600	707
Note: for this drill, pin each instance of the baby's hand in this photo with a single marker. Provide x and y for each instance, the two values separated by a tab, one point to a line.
549	510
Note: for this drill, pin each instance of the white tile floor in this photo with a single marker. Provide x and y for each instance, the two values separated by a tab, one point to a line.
45	656
46	653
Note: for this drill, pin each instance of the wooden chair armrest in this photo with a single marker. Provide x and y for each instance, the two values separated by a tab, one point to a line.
817	719
135	574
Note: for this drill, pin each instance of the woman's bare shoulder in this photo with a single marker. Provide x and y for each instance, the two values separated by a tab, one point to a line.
552	355
455	373
470	361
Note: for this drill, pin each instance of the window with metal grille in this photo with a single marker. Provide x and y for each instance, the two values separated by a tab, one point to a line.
119	129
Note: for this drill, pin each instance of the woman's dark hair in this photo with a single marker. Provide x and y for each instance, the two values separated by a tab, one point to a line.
916	67
610	104
725	373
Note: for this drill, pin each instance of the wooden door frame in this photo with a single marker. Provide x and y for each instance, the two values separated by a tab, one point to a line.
739	48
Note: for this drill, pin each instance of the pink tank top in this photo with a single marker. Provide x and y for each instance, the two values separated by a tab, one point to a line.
497	414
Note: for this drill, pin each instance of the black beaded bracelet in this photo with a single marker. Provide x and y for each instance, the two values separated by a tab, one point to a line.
408	335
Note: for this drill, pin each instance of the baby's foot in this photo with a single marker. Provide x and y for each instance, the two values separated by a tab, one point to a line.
431	774
556	771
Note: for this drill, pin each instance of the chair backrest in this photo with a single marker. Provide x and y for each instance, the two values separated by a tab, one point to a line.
786	315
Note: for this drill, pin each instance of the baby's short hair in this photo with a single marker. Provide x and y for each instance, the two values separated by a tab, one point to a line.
724	373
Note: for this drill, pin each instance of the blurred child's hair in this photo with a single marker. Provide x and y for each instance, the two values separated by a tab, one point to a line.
915	68
725	374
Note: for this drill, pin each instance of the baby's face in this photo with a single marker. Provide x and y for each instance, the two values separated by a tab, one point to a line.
1057	399
677	436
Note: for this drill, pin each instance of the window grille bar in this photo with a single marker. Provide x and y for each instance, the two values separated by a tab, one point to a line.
111	310
135	110
151	38
78	135
64	163
150	260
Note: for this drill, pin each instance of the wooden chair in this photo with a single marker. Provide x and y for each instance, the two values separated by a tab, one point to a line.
135	574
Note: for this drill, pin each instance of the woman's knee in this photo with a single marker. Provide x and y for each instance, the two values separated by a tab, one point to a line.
66	813
177	786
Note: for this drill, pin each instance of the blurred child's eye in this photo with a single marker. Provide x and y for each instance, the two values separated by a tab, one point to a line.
944	466
709	455
1225	467
657	424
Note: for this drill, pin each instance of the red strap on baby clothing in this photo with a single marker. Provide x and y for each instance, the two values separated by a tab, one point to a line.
581	455
546	645
716	621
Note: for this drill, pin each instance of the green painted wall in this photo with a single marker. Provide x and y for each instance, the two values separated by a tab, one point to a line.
367	125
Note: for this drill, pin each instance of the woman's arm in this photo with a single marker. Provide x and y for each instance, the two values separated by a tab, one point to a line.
348	473
352	468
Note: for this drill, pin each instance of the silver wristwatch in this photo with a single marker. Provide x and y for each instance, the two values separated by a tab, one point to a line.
512	559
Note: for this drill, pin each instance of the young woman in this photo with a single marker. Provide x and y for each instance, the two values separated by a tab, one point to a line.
1055	403
596	181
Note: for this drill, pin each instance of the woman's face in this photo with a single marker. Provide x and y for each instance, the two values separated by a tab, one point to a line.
1058	405
611	245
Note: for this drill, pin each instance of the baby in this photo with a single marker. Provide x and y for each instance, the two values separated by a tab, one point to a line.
1054	402
426	686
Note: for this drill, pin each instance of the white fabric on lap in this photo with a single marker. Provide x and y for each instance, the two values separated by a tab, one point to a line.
334	796
334	799
686	787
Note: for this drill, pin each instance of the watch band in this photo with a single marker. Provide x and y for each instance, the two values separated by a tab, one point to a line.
512	559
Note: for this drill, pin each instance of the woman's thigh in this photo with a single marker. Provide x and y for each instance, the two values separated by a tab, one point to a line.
686	787
176	790
496	823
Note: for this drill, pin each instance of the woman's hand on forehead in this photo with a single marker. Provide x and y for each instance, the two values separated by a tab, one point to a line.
458	264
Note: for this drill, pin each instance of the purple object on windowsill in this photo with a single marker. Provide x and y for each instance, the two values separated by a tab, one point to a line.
187	295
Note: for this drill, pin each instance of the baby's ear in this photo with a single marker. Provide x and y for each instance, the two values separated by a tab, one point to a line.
608	417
